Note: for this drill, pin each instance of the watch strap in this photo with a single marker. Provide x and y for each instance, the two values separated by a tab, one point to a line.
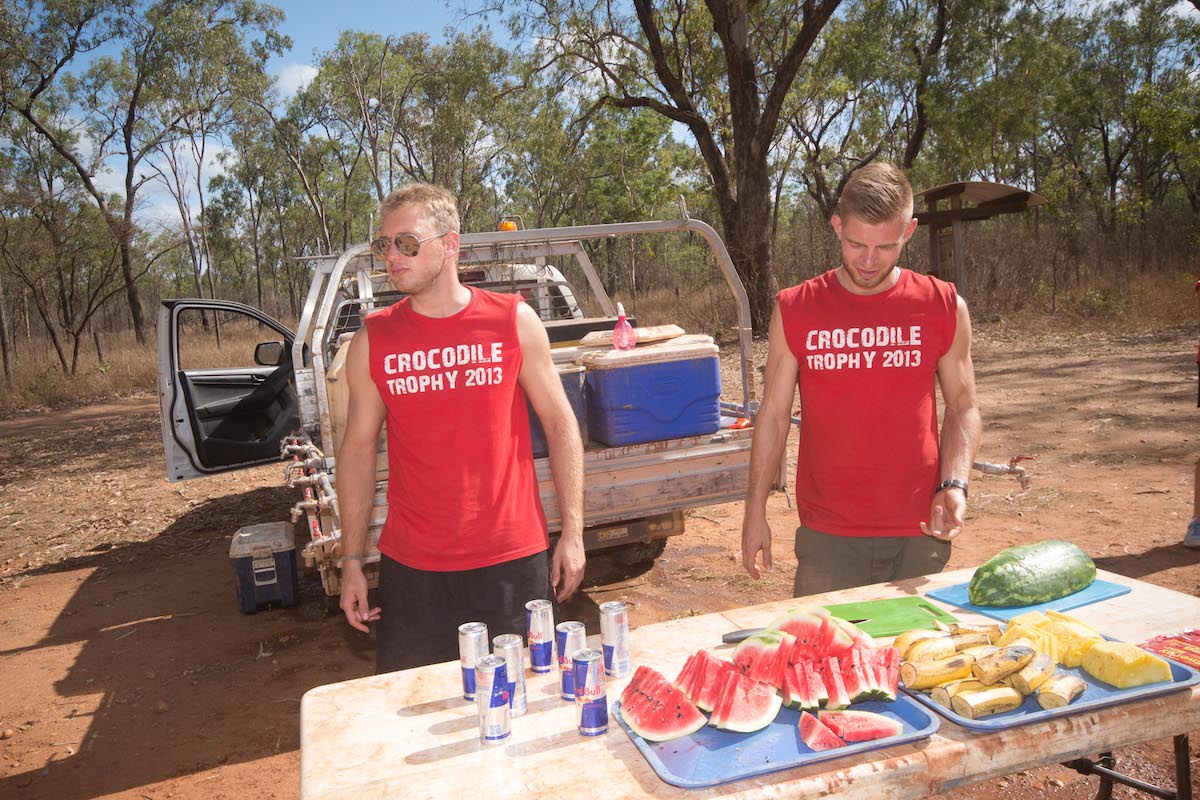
953	483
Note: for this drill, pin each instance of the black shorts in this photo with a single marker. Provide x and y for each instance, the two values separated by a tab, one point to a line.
421	611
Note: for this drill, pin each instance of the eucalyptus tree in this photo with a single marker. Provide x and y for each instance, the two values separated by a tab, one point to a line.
119	95
52	238
722	68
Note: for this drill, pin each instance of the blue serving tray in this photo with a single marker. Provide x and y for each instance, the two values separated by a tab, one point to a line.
710	757
1097	695
1098	590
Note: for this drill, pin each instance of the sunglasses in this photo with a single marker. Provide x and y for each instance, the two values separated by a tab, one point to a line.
408	245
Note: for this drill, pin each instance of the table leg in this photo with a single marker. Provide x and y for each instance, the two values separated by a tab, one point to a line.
1183	768
1104	769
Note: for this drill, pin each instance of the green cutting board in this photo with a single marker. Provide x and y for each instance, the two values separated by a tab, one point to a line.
892	616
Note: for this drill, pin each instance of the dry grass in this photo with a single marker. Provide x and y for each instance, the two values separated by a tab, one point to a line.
1135	304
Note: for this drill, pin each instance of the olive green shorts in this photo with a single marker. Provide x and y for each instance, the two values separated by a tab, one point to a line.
827	563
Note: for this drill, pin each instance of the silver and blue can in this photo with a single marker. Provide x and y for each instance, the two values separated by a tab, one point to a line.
491	680
568	637
472	646
614	638
539	630
591	697
511	648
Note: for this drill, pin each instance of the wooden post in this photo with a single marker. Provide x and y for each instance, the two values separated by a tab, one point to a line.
960	266
935	251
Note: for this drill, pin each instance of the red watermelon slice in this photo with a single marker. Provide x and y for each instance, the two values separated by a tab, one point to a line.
755	655
748	705
657	710
838	698
861	726
684	680
724	695
818	695
816	735
709	671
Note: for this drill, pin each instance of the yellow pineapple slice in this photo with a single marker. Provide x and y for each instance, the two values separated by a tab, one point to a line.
1125	665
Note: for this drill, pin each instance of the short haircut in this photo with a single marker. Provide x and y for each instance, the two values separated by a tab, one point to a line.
877	193
439	203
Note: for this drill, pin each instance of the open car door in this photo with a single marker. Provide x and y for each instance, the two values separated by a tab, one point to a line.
226	389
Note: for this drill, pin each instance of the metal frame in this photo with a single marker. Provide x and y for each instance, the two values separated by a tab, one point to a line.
1104	768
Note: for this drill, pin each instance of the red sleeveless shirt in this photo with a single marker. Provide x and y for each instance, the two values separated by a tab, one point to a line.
462	489
868	461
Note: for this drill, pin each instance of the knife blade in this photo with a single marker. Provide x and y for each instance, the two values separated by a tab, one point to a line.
733	637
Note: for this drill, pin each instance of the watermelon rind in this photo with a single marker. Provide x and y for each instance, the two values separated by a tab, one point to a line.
816	735
754	706
860	726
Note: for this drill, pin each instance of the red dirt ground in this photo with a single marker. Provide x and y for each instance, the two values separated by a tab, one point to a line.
129	673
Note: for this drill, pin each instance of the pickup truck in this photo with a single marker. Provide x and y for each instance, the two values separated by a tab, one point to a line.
289	396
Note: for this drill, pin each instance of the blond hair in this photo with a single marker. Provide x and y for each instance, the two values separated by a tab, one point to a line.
877	193
440	205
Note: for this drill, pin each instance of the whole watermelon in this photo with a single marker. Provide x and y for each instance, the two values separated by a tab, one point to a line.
1029	574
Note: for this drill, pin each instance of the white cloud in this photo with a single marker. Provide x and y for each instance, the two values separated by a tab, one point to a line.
294	77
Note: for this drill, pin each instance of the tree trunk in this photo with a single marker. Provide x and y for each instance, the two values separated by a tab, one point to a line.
4	346
99	347
131	290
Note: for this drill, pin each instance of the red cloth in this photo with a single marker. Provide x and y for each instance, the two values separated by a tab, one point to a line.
868	461
462	490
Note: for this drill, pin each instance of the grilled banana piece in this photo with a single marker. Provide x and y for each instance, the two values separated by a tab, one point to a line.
993	632
986	701
945	692
1028	678
931	649
907	639
927	674
1002	663
1059	690
962	641
979	651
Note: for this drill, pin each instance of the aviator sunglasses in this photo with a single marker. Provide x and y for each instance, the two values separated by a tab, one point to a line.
408	245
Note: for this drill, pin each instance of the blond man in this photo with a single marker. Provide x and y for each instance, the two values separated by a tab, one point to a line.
449	368
880	494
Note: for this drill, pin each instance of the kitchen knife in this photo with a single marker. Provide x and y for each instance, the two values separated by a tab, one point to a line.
733	637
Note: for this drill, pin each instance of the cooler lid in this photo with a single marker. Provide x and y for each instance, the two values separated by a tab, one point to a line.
697	346
648	333
277	537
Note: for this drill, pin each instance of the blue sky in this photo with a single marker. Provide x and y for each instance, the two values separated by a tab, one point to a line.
315	26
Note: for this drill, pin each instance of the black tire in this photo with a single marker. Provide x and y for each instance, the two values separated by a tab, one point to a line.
640	553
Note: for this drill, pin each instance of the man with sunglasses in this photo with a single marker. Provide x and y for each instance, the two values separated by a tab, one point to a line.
449	369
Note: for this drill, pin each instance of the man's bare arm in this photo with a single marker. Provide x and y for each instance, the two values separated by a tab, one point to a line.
539	379
356	477
962	428
771	428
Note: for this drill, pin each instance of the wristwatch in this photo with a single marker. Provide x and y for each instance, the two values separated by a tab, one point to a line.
953	483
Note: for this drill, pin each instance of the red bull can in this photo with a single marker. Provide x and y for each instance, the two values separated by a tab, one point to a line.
491	681
472	646
568	637
539	629
614	638
591	697
510	647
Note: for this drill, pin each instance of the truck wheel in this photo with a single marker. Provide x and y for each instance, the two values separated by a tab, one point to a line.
639	553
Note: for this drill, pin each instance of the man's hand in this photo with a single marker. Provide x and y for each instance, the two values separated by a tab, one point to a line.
354	597
566	568
946	515
756	538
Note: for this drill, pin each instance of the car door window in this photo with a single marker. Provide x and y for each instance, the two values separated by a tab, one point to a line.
209	339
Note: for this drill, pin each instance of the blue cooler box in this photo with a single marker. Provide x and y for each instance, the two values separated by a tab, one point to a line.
572	381
264	565
652	393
